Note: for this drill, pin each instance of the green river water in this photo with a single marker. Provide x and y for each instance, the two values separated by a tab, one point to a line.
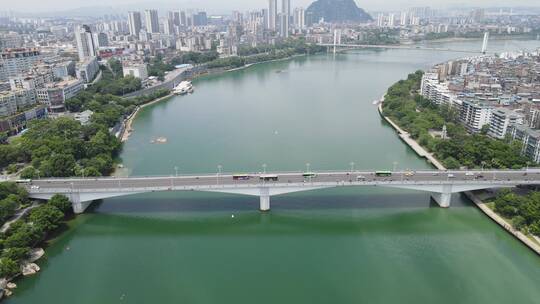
348	245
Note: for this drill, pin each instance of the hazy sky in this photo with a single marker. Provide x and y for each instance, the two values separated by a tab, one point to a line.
226	5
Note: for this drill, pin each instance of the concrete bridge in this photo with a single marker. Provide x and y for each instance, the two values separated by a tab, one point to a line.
442	184
337	44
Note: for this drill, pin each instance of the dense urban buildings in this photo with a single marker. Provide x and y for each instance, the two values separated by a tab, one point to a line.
57	57
498	95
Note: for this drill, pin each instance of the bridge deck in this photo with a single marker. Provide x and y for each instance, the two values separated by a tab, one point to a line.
326	179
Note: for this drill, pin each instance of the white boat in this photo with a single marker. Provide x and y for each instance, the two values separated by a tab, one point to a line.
183	88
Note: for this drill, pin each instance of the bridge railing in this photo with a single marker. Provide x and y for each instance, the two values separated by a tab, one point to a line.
255	173
121	188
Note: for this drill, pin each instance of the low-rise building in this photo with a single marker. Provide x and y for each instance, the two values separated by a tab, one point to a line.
529	138
83	117
14	101
14	62
54	95
16	123
137	70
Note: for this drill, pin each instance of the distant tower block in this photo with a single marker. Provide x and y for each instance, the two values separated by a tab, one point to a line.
337	38
485	43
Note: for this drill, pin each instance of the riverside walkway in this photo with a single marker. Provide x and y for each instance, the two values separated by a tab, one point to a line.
442	184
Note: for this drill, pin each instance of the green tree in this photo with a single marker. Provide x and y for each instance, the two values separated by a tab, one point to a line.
8	267
61	202
29	172
47	217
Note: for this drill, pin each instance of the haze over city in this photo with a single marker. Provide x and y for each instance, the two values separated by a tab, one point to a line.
219	6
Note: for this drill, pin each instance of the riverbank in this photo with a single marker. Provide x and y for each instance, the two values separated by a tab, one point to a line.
128	121
480	204
464	39
406	137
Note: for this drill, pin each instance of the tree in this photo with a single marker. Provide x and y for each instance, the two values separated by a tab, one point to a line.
8	267
30	173
484	130
61	202
47	217
8	207
15	253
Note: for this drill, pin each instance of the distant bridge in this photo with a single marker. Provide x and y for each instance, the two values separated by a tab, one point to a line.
337	44
82	191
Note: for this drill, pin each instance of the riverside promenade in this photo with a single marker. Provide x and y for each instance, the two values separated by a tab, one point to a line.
405	136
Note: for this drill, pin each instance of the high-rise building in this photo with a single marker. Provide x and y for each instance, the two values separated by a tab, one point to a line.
391	20
174	17
85	42
285	18
264	13
183	19
299	18
380	20
101	40
151	21
135	23
200	19
272	15
403	18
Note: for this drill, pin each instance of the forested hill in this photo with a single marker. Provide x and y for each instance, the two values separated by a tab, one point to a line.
336	11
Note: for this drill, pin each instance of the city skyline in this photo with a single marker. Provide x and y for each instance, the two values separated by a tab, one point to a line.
220	7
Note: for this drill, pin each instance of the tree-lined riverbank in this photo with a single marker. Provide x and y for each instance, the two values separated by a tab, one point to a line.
427	116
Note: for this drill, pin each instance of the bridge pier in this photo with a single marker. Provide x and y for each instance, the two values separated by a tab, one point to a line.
443	199
78	206
264	204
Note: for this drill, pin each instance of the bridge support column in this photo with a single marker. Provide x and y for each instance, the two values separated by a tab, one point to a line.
443	198
78	206
264	200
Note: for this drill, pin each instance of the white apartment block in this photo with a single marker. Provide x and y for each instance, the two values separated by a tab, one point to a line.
438	92
474	115
529	138
14	62
501	119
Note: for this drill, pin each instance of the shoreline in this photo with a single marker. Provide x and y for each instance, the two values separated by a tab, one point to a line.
461	39
128	121
481	205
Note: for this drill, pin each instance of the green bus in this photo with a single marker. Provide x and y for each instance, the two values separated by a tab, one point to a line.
383	173
309	174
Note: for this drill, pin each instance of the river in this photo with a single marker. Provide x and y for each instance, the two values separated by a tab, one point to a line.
348	245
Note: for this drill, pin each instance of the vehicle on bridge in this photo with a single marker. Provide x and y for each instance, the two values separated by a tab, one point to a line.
269	177
383	173
241	177
309	175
